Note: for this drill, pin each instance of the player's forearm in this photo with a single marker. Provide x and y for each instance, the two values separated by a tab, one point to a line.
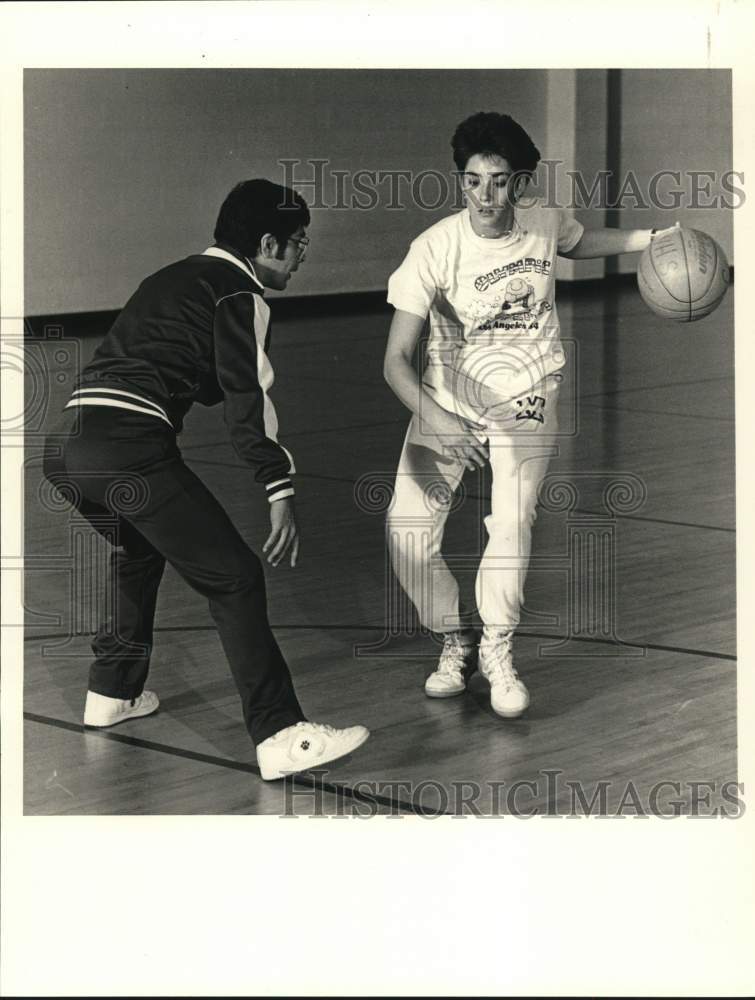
401	376
606	242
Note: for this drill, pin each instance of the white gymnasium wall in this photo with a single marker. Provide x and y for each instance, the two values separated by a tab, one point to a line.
575	141
125	169
678	120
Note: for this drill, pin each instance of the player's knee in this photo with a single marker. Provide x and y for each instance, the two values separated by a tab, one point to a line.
504	523
508	518
133	553
411	538
243	572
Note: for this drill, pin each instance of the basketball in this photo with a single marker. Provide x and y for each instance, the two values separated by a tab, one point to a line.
683	275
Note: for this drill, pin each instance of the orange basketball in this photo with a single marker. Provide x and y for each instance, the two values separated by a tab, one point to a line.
683	275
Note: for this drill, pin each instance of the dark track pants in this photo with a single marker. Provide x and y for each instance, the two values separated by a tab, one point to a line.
124	473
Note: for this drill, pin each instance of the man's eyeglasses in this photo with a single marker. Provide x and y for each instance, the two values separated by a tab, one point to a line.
302	243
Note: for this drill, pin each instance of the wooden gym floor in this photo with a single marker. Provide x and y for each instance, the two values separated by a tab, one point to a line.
644	693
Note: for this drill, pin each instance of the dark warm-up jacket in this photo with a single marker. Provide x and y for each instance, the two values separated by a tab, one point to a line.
196	331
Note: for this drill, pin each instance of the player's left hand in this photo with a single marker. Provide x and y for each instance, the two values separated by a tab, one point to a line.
669	229
284	535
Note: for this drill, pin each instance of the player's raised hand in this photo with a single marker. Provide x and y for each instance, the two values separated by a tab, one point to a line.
284	535
657	233
461	438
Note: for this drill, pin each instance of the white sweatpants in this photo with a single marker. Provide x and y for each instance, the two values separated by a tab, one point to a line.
522	439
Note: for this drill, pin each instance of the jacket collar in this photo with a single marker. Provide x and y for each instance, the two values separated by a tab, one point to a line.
225	252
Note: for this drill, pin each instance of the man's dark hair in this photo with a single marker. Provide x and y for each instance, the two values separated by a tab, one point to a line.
490	134
256	207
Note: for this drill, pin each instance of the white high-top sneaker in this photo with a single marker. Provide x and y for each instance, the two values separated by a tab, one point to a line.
457	661
306	745
508	695
102	711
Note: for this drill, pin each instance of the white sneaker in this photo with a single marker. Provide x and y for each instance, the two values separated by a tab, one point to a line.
103	711
306	745
508	695
457	661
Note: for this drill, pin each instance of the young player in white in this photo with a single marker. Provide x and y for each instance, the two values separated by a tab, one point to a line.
485	277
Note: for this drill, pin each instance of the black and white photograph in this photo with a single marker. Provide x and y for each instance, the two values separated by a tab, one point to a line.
370	453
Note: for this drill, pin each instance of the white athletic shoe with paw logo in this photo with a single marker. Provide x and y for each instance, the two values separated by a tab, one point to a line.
102	711
306	745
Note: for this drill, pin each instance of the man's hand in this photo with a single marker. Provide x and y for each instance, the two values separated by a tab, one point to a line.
458	437
284	535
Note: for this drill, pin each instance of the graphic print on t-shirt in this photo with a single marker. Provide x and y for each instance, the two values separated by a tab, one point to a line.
525	265
517	306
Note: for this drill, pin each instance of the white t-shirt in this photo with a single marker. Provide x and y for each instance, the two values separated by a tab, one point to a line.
494	331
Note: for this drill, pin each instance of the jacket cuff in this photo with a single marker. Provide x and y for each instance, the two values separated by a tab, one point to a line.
279	489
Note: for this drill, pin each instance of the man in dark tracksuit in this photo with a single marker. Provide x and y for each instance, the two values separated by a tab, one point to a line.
196	331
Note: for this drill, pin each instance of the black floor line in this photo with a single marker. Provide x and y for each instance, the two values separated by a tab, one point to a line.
300	780
657	413
211	628
660	647
590	400
627	517
476	496
345	335
524	633
348	427
663	385
318	430
660	520
294	376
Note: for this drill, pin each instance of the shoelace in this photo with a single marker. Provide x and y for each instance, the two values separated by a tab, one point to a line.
319	727
452	657
498	662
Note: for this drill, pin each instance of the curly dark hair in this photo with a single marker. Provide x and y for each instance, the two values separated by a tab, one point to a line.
256	207
490	134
